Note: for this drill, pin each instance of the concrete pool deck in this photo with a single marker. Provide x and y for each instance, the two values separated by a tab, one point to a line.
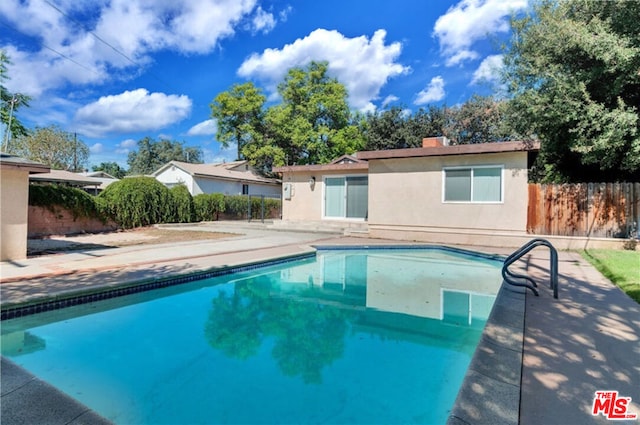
588	340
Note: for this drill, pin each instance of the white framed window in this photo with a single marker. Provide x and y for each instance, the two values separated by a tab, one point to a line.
477	184
346	197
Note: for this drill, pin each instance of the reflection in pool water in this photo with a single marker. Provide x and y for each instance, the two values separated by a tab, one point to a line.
380	336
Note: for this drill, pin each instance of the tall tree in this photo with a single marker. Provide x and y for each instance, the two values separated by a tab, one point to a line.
239	115
111	168
10	103
572	70
481	119
54	147
312	124
151	155
396	128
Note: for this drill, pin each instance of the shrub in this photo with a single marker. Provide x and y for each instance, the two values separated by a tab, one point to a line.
137	201
183	207
77	201
208	206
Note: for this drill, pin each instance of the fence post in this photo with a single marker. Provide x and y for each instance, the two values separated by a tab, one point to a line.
249	207
262	210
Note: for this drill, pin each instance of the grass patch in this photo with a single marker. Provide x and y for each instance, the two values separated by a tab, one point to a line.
620	267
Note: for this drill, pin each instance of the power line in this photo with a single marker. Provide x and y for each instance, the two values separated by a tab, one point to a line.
52	49
100	39
96	36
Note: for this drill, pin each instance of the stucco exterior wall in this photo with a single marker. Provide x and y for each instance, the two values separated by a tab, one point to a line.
198	185
305	203
406	199
202	185
14	198
173	176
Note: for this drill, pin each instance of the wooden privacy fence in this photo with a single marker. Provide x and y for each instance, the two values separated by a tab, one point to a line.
584	209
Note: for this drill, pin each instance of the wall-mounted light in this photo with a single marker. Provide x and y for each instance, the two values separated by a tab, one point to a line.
312	182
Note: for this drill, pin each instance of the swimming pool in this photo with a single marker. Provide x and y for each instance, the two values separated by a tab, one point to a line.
353	336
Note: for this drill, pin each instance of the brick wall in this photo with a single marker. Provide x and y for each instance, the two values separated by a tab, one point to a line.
43	222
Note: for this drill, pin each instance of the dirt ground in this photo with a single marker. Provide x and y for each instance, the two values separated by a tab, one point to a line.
143	236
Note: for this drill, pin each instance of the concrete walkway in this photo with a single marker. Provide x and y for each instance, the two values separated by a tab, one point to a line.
586	341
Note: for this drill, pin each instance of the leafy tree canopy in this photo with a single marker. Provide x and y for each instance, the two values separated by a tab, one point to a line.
111	168
481	119
239	115
312	124
10	103
151	155
52	146
572	70
396	128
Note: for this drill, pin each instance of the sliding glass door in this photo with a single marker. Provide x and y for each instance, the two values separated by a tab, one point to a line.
346	197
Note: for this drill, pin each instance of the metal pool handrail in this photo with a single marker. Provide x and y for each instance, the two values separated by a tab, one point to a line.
510	277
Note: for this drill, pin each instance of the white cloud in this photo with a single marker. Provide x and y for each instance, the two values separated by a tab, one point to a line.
389	99
284	13
262	21
126	146
205	128
470	21
363	65
96	148
131	111
432	93
116	35
489	70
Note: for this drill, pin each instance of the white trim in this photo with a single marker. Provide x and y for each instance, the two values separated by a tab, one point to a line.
472	167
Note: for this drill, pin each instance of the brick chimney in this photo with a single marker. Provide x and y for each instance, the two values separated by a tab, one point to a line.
435	142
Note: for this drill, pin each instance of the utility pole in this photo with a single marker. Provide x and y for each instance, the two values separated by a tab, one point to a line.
75	152
7	133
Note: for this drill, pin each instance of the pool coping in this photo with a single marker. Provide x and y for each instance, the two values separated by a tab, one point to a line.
491	389
490	392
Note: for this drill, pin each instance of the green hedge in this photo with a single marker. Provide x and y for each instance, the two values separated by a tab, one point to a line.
138	201
208	206
183	206
77	201
143	201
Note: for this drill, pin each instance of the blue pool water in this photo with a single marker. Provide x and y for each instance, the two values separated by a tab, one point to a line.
353	336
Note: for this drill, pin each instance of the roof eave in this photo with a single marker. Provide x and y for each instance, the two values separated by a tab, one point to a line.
471	149
356	166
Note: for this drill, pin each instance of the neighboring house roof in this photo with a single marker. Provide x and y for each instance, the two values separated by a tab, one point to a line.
62	176
98	174
221	171
16	162
477	148
104	178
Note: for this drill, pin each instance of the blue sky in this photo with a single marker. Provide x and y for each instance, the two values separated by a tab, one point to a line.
115	71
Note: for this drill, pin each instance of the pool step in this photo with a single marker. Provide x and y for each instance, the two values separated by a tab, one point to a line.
338	227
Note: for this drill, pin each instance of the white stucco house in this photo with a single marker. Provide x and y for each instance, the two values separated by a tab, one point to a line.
229	178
